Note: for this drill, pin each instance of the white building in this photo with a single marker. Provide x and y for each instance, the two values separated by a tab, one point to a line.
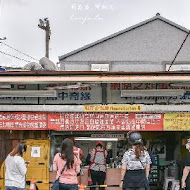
144	47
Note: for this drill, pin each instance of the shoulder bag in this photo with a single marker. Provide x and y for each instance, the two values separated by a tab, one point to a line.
56	182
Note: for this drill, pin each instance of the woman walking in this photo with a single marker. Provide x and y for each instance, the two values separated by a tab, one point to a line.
16	168
135	164
67	166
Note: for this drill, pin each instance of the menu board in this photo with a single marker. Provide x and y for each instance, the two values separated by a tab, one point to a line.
105	121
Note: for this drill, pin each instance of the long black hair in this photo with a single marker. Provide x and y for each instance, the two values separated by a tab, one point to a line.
67	152
19	150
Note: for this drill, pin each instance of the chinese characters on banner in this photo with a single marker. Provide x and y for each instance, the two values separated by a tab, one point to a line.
105	122
23	121
177	122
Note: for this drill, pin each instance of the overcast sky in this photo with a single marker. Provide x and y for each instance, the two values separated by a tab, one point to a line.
74	23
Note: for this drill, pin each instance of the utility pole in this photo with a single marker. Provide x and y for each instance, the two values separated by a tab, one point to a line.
44	25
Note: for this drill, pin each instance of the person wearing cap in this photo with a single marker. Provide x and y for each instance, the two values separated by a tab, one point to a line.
97	164
135	164
185	181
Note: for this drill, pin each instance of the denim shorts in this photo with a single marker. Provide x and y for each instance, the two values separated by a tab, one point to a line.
64	186
13	188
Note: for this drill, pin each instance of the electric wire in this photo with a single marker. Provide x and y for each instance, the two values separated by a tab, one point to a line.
18	50
179	50
14	56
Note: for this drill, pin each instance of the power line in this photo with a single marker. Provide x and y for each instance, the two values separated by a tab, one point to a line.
179	50
18	51
14	56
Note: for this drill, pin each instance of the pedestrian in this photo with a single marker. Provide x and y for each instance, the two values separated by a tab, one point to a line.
97	164
135	164
80	155
77	151
185	181
15	168
66	159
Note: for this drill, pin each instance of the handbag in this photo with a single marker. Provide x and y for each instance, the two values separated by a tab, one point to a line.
89	177
56	182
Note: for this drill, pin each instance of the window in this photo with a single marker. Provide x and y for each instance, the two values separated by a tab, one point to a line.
100	67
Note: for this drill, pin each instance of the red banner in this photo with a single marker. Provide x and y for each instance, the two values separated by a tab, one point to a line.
105	122
23	121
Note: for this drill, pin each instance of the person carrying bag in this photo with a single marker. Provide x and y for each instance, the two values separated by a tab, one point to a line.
67	167
56	183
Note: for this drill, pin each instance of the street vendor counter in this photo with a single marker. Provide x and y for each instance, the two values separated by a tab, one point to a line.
113	177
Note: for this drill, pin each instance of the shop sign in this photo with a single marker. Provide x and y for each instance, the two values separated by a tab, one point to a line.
112	108
177	122
114	94
119	136
75	95
105	121
23	121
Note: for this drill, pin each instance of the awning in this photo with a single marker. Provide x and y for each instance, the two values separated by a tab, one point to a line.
44	77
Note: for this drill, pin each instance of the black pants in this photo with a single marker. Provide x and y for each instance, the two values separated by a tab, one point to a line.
98	178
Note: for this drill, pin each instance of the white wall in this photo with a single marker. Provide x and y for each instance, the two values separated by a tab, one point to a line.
153	43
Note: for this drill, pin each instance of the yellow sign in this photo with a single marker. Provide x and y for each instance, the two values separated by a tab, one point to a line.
112	108
177	122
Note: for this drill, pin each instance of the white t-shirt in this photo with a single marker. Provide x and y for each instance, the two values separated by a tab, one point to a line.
15	171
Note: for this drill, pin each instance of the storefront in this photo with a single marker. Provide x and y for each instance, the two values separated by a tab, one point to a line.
161	130
165	137
94	110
